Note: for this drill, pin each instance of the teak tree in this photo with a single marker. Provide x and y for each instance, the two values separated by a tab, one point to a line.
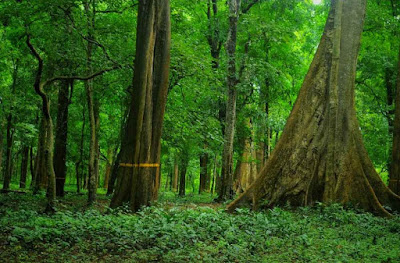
321	156
138	174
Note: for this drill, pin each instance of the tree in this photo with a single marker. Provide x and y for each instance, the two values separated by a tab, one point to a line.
60	147
394	182
226	190
138	173
320	156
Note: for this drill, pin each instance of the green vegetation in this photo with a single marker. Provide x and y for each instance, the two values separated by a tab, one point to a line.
199	131
191	232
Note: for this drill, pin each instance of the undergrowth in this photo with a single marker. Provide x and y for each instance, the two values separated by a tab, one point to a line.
177	231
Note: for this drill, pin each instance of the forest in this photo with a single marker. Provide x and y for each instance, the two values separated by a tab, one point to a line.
200	131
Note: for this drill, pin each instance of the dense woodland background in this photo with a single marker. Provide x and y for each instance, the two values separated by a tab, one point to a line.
276	42
87	50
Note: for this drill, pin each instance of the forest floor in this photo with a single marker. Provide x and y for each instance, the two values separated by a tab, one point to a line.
190	229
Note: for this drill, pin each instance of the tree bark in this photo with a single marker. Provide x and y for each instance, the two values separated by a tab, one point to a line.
138	177
226	190
110	161
394	182
204	173
321	156
184	162
1	147
24	166
92	179
9	159
40	165
60	148
48	128
176	176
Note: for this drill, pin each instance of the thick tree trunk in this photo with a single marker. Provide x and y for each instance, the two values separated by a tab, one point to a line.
24	166
321	156
394	182
226	190
138	174
60	148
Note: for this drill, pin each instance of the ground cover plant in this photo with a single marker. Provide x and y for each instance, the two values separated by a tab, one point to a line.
189	231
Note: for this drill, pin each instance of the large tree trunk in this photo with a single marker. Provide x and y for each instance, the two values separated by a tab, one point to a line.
321	156
226	190
24	166
394	182
60	148
138	174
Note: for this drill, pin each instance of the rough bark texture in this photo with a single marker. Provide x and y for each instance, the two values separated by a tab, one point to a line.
394	183
60	147
226	190
321	156
141	143
24	166
246	166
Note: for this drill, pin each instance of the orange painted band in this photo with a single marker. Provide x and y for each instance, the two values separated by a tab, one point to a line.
146	165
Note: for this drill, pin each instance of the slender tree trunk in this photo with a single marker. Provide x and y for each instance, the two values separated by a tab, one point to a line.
31	167
24	166
321	156
182	178
110	161
176	176
60	149
40	167
226	191
114	174
9	159
1	148
394	182
138	175
92	105
79	164
203	172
